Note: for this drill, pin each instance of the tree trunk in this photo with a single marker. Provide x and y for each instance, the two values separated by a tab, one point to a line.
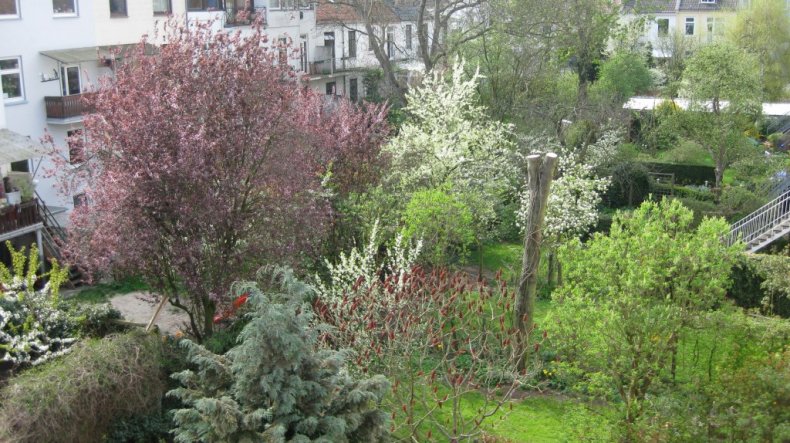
385	63
551	273
480	268
540	174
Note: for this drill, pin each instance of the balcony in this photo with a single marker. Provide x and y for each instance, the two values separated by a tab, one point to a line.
332	66
239	16
15	219
66	109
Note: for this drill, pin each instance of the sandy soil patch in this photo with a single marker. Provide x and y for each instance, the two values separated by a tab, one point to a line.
138	307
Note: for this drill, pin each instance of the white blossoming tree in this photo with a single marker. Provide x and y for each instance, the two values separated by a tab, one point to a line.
575	194
448	140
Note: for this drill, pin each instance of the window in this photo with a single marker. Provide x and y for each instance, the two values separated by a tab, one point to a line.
118	8
330	88
390	43
663	27
203	5
408	36
303	53
282	48
689	25
76	143
712	2
9	9
80	200
352	44
163	7
70	80
353	90
66	8
11	79
715	27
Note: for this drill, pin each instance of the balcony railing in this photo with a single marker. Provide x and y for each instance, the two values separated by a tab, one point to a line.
68	106
333	65
19	216
235	16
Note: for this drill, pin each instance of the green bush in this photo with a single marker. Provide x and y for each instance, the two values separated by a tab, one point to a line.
685	174
762	282
443	222
154	427
78	396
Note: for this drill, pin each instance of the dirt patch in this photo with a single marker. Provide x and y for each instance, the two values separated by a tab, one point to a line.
138	307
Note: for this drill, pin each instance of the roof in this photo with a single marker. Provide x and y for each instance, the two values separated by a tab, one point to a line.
697	5
329	12
405	12
15	147
649	103
650	6
91	53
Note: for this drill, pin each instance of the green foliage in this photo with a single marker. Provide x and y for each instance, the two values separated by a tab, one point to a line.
34	324
276	384
763	29
684	174
148	428
78	396
623	75
443	222
617	327
722	71
763	281
630	185
449	142
102	292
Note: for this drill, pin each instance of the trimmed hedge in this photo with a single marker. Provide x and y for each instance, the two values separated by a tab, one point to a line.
78	396
685	174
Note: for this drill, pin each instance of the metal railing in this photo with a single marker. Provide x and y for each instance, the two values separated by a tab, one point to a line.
762	221
776	187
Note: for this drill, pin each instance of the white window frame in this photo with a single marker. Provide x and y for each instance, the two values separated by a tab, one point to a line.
76	12
409	35
12	16
64	75
710	2
17	70
686	23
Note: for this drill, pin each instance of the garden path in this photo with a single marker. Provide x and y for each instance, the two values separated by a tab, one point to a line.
138	307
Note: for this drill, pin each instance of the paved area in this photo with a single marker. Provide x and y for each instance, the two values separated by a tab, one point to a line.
138	307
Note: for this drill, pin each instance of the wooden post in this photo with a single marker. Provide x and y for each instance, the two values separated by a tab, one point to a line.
156	313
540	172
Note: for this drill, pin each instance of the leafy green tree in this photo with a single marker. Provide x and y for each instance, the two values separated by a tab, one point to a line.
722	81
763	29
443	222
276	385
623	75
629	295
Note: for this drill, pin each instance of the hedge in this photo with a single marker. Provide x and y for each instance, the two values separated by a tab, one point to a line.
685	174
76	397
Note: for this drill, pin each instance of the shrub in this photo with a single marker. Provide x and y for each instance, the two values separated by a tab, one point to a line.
442	338
75	398
35	325
32	328
276	385
443	222
617	328
685	174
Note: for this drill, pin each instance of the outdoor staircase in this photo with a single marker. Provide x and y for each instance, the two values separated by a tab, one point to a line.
53	236
765	225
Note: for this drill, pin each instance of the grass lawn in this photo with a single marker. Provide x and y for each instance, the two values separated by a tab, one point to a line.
104	291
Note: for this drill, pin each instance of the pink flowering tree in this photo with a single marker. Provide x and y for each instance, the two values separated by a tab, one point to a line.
206	158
